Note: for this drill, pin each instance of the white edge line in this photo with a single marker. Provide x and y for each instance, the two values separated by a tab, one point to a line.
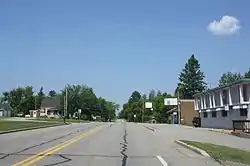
163	162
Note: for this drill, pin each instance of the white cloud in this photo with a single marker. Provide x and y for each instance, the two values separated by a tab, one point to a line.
227	25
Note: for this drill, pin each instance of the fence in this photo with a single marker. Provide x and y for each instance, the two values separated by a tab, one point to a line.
242	125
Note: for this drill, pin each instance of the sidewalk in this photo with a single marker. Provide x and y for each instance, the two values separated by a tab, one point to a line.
231	132
222	131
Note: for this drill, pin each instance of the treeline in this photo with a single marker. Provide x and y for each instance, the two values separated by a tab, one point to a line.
134	110
230	77
23	99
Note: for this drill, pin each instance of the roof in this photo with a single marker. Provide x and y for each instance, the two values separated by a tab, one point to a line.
5	107
186	100
242	81
50	102
172	110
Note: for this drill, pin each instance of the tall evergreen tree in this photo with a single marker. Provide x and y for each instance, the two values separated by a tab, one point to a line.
191	79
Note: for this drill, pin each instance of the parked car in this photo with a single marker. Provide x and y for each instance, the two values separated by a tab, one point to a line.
197	122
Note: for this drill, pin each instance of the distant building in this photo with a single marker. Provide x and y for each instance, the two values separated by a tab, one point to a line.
50	107
187	112
218	107
5	110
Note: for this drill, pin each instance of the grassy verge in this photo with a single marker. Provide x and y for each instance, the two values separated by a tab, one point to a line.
223	153
60	120
18	125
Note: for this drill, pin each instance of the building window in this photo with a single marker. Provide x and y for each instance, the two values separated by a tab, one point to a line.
203	102
205	114
212	100
199	103
225	97
207	101
214	113
235	94
224	113
243	112
245	92
217	98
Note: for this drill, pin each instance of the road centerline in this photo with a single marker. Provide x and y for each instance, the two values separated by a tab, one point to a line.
55	148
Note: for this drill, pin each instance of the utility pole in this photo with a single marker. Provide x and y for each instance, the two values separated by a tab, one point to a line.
35	102
178	106
142	113
65	105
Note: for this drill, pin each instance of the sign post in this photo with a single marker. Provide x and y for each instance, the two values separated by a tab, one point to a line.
134	117
79	113
174	102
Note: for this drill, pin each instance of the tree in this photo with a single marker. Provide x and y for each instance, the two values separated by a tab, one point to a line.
135	96
83	97
23	99
52	93
191	79
20	99
228	78
39	98
247	74
151	95
135	107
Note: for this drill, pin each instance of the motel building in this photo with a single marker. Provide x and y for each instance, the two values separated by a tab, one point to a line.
218	107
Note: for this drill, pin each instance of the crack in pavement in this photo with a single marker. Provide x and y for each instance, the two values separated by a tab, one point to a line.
124	147
43	143
84	155
66	159
152	129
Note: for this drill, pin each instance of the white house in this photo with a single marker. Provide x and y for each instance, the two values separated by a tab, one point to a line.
50	107
218	107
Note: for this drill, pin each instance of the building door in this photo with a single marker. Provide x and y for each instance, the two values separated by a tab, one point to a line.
1	113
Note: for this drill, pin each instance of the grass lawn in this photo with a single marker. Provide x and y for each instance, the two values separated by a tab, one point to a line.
59	120
223	153
6	125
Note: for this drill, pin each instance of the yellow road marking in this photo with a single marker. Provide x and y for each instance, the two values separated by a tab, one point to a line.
41	153
54	149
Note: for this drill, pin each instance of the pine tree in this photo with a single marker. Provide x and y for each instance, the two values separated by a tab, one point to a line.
191	79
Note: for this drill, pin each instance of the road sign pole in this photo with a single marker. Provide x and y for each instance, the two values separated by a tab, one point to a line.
142	114
178	106
79	113
65	105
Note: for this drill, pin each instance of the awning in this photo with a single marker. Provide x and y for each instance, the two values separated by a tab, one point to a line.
172	110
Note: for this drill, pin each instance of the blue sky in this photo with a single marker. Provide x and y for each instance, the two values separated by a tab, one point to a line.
118	46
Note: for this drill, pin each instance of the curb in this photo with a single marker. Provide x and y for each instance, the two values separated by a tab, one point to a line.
31	128
221	131
241	135
195	149
233	133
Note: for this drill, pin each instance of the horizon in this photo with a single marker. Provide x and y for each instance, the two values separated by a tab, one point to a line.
118	47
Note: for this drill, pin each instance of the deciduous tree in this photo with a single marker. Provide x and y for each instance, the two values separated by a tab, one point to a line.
229	77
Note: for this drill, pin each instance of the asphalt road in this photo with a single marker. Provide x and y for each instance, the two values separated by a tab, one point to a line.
106	144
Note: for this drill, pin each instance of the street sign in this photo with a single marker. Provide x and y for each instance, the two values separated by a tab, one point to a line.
148	105
79	111
170	101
